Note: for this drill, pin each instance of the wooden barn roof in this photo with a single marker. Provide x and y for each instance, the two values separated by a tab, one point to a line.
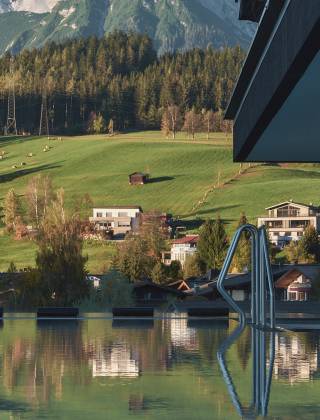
288	278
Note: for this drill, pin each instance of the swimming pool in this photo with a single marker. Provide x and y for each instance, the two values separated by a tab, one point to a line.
166	368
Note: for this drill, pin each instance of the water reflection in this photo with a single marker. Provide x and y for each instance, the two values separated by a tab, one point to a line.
118	361
262	370
297	357
166	368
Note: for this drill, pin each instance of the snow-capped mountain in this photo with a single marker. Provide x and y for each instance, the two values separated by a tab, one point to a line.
172	24
34	6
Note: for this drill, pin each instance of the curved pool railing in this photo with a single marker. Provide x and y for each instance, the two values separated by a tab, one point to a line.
261	277
262	371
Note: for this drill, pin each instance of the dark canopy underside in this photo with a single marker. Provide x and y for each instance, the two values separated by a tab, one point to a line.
275	105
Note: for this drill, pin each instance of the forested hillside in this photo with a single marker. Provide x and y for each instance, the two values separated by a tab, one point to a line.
118	76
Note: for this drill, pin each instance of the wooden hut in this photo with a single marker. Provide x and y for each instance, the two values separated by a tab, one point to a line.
138	178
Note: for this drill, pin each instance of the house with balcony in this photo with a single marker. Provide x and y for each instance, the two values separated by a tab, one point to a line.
184	248
287	221
120	219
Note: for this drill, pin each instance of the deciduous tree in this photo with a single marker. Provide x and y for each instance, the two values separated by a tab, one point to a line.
60	261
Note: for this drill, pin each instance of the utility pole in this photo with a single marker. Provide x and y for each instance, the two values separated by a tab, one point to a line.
11	126
44	121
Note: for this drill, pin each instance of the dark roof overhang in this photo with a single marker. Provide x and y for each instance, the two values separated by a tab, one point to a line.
286	42
251	9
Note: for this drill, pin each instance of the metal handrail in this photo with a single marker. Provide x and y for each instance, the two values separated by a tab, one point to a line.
228	260
260	271
262	376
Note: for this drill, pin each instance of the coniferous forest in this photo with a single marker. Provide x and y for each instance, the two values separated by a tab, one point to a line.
118	77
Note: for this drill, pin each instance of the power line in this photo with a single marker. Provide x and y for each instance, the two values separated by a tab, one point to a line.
11	126
44	121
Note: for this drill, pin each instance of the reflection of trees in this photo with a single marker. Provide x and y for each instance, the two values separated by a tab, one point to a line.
42	363
244	347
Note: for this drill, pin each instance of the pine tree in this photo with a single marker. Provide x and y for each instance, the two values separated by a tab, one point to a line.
242	257
310	245
213	244
159	273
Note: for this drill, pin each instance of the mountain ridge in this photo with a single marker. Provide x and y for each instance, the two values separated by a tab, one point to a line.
179	24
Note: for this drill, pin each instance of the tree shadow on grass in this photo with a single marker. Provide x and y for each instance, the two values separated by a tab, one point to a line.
24	172
211	213
8	141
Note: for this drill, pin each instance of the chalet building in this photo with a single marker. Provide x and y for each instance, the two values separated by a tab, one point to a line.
287	221
120	220
147	292
274	104
183	248
138	178
293	286
292	283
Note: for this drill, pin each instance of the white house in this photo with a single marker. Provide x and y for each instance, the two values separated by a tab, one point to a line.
183	248
120	220
287	221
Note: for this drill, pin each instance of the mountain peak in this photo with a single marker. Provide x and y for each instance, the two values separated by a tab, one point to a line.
178	24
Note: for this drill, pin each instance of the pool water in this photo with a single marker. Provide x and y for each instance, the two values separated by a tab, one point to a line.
162	369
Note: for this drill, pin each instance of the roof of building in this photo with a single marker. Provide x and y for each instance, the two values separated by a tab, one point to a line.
189	239
251	9
243	280
147	283
288	278
138	173
118	208
286	42
291	203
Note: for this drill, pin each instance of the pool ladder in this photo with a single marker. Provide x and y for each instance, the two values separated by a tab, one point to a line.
261	278
262	369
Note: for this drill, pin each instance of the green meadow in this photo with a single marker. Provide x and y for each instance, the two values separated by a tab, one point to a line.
192	180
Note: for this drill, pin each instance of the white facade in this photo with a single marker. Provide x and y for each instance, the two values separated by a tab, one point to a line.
120	220
114	212
184	248
287	221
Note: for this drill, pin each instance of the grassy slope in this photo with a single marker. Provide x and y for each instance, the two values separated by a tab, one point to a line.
184	170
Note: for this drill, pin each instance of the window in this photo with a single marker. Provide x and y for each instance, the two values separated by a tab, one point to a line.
99	214
108	214
299	223
302	296
274	224
292	296
122	214
287	234
288	211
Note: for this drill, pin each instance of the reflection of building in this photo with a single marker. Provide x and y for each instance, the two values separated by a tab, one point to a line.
293	285
182	335
294	361
116	363
287	221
